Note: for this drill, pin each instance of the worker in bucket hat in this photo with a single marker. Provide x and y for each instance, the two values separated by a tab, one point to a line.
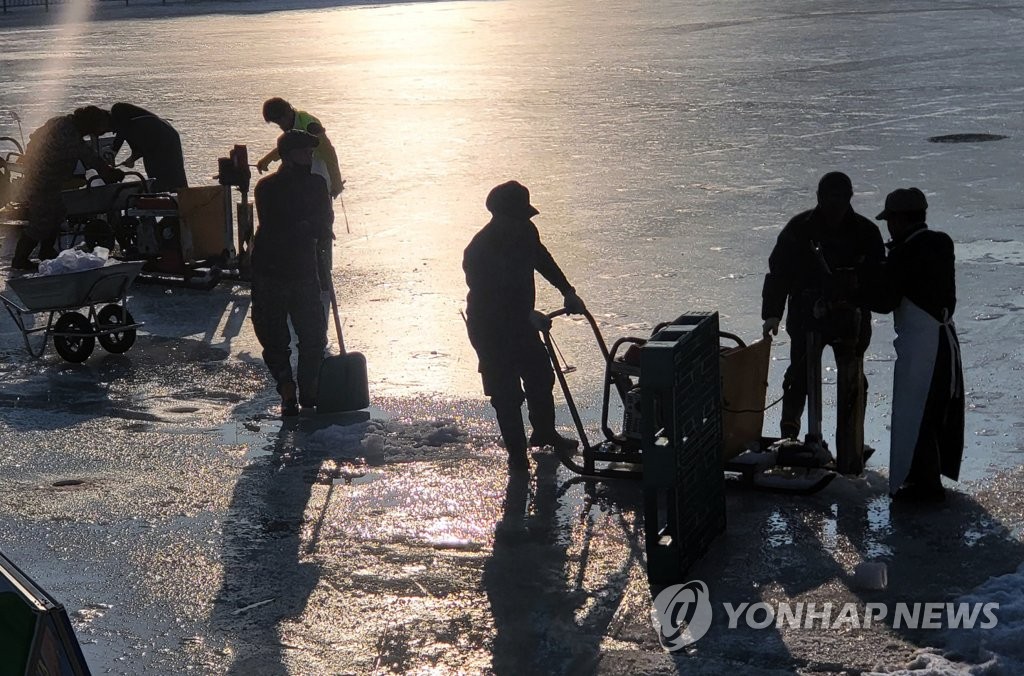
503	325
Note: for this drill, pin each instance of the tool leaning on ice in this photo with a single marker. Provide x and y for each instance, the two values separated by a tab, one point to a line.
295	223
503	325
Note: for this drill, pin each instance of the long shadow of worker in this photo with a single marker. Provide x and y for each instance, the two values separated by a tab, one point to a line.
550	611
269	573
805	549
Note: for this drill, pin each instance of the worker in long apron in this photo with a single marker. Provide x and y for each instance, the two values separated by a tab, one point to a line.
51	156
503	325
917	283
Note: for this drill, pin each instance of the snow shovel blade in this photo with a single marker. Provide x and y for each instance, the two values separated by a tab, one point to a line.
343	384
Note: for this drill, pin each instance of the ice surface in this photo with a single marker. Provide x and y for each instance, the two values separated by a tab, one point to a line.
664	143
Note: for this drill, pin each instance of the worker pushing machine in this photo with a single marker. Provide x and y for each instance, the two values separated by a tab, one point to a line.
814	268
503	325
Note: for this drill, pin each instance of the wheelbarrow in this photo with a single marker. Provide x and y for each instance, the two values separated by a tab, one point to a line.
81	308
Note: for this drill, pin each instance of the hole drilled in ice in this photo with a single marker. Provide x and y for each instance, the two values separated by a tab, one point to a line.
966	138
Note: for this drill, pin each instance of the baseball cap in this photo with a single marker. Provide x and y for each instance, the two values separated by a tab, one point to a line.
901	201
511	199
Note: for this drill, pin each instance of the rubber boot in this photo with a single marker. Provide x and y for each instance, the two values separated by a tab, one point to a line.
542	418
289	403
48	249
510	422
22	251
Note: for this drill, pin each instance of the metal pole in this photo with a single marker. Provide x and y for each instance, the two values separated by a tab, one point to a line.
344	213
814	435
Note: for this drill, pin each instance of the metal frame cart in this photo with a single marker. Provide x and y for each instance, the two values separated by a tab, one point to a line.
70	302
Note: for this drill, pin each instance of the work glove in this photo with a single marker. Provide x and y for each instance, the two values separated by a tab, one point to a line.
574	304
113	175
128	162
540	321
263	165
337	191
771	326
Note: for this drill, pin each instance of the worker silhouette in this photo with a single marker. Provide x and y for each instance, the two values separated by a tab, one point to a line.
503	325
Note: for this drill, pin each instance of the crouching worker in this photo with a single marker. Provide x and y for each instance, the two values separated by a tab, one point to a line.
503	324
917	284
53	152
295	221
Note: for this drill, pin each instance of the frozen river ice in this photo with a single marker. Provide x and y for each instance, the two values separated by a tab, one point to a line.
665	144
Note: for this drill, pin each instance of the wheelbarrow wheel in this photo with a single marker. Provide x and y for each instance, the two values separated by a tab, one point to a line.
110	317
73	348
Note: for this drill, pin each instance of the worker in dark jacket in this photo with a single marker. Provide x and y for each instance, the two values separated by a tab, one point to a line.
503	325
295	219
153	140
813	269
53	152
917	283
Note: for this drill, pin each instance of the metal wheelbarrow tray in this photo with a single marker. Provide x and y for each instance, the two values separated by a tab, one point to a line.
75	332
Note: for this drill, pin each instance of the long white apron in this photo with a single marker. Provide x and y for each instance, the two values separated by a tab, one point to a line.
917	346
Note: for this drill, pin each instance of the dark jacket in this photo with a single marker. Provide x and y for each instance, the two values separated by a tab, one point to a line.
794	267
921	268
499	264
153	139
141	129
295	217
53	152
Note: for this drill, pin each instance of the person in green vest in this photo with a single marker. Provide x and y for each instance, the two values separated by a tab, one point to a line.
325	158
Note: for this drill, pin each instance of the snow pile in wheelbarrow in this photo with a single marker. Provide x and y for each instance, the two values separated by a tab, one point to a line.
76	260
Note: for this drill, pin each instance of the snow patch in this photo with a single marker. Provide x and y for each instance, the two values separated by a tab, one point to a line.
977	651
380	441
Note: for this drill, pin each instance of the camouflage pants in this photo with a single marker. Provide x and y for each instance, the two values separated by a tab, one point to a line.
274	303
